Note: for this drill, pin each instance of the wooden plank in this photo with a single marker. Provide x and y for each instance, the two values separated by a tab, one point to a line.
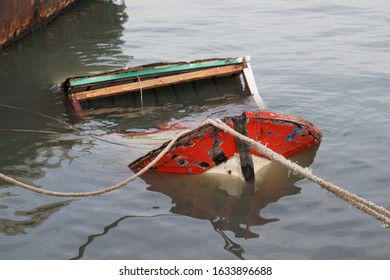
251	84
158	82
194	65
75	104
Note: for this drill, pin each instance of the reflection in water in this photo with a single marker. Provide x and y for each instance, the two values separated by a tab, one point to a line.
37	217
106	229
70	46
30	67
228	203
54	153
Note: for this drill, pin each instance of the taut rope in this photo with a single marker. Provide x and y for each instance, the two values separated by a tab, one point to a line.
370	208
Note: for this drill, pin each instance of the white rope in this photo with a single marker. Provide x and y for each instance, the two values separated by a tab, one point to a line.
141	94
369	207
93	193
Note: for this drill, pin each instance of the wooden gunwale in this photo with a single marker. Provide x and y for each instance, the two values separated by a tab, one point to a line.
159	69
149	76
157	82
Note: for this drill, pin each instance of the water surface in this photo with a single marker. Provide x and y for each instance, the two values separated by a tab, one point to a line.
325	61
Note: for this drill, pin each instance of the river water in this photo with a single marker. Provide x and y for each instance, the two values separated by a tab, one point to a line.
325	61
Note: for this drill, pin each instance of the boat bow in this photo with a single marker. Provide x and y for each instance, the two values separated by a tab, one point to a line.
209	149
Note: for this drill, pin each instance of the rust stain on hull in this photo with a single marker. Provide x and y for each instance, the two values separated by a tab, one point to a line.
19	17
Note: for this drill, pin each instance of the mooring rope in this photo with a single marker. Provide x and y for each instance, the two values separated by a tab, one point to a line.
141	94
368	207
29	130
68	125
93	193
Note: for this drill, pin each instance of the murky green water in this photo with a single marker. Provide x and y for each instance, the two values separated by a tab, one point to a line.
327	62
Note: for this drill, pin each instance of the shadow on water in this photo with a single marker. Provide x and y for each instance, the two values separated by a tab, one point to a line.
228	203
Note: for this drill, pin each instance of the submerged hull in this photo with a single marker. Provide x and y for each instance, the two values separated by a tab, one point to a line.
122	84
228	203
209	149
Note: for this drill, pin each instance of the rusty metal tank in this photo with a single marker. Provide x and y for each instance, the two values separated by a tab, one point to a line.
19	17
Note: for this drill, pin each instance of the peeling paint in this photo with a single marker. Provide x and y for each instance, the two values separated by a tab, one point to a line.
216	153
19	17
206	147
204	164
182	162
292	135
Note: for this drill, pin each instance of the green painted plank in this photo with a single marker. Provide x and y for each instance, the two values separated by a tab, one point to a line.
190	66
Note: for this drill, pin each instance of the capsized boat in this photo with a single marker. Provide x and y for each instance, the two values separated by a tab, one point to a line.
211	150
83	89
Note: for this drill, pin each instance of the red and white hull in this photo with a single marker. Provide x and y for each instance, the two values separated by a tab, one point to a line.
208	149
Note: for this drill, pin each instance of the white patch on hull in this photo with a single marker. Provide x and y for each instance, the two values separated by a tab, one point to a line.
232	166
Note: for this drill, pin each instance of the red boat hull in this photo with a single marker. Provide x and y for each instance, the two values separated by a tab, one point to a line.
207	147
